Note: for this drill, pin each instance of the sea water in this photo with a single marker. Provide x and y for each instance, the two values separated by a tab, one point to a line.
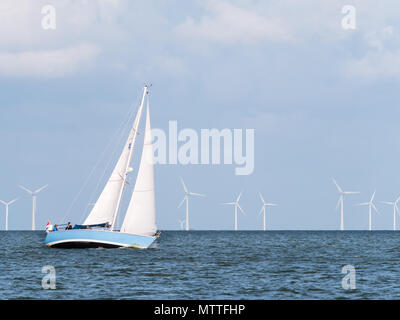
209	265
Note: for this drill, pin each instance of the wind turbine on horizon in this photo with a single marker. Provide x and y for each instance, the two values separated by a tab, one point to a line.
186	198
34	195
371	205
395	208
7	204
340	201
181	222
236	204
263	209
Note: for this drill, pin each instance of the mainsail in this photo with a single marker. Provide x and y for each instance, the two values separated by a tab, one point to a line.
106	207
140	217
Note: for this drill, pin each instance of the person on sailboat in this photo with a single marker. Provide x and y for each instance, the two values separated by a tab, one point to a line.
69	226
55	227
49	227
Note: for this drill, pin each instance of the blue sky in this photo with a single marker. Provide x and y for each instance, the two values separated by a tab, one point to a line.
323	102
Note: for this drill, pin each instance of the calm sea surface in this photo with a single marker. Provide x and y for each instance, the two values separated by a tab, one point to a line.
208	265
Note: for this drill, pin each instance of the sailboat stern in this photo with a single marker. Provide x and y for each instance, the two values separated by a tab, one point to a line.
97	239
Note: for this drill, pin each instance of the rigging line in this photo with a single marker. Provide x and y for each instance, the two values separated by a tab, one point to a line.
117	145
145	97
111	158
130	113
113	153
122	134
90	175
119	132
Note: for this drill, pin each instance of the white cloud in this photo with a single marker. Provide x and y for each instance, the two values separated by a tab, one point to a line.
376	38
229	24
123	30
27	50
381	58
47	63
21	22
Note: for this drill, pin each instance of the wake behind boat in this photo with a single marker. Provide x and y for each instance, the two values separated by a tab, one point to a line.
139	229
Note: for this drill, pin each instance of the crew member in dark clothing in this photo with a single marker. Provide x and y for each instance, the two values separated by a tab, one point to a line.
69	226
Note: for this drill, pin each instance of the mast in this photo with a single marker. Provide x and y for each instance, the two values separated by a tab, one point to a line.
135	130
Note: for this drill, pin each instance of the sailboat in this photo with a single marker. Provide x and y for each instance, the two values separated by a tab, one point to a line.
139	229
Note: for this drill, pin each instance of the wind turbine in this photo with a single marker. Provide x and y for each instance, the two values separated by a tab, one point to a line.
181	222
34	195
340	201
186	198
395	208
371	205
263	209
236	204
7	204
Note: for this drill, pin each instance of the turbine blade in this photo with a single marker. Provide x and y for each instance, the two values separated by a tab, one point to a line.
261	211
229	203
339	201
271	204
373	195
238	198
388	202
261	197
182	202
184	186
373	206
12	201
363	204
337	186
40	189
196	194
26	189
351	192
240	208
3	202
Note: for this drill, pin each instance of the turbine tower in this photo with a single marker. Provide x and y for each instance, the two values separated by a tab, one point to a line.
34	195
7	204
371	205
236	204
340	201
263	209
186	198
395	208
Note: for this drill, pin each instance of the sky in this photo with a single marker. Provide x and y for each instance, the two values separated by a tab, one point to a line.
323	101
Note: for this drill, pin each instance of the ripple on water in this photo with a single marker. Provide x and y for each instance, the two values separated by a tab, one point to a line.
207	265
